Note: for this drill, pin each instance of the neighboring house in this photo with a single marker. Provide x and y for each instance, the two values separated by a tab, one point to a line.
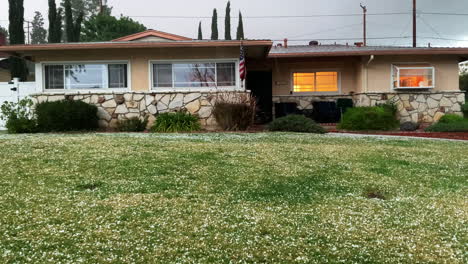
153	72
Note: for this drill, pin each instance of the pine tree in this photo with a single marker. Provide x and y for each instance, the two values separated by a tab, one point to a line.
18	68
200	33
55	23
227	22
39	34
240	28
73	29
214	25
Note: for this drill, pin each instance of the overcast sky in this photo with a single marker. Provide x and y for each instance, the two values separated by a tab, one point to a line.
310	28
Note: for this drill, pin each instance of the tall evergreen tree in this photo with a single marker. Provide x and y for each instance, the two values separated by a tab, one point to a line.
73	28
39	34
240	28
214	25
55	23
227	22
200	33
18	68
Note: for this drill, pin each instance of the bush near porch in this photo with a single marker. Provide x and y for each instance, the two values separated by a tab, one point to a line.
382	117
220	198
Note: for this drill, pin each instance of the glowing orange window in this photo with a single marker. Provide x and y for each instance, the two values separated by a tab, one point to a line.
315	82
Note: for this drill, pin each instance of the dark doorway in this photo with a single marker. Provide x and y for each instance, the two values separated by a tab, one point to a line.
261	85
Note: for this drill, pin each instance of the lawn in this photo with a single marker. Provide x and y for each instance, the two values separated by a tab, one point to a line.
214	198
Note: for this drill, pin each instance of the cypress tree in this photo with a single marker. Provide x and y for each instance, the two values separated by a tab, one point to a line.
73	29
200	34
227	22
55	23
18	68
214	25
240	28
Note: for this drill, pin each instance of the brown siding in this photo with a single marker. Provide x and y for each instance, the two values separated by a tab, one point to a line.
446	71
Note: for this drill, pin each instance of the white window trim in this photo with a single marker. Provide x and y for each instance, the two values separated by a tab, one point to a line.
43	89
393	66
237	87
315	71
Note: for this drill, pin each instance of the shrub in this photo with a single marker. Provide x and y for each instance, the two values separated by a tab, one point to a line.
234	111
19	116
461	126
370	118
451	118
176	122
409	126
296	123
66	115
134	124
465	109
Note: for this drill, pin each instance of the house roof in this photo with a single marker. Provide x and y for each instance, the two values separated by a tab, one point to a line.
345	50
133	45
152	33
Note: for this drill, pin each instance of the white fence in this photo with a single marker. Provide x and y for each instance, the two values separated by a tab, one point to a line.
6	94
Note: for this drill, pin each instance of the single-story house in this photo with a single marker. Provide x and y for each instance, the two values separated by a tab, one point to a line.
153	72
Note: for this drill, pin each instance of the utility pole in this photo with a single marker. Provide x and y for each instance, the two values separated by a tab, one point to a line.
414	25
364	10
29	30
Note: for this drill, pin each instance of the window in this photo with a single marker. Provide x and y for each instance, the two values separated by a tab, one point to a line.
189	75
86	76
316	82
413	77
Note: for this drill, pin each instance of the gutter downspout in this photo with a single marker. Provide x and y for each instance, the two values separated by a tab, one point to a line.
366	73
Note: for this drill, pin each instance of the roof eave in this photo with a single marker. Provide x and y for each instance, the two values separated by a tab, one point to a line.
131	45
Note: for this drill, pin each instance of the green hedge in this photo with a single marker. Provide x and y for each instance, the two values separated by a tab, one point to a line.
66	115
296	123
451	118
370	118
461	126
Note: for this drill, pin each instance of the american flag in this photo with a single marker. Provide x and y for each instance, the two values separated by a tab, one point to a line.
242	69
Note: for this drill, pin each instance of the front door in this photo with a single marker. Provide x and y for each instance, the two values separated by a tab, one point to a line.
261	85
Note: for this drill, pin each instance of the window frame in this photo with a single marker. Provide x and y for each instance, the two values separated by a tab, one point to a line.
237	87
338	71
409	67
106	62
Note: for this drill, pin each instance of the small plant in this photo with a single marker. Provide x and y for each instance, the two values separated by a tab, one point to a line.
451	118
409	126
66	115
296	123
19	116
175	122
234	111
465	109
134	124
381	117
375	193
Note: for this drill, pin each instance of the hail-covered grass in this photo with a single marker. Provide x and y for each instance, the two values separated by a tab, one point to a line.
232	198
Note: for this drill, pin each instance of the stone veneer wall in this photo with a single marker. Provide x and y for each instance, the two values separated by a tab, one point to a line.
119	106
421	107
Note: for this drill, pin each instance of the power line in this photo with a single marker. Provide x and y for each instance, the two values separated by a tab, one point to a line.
443	14
279	16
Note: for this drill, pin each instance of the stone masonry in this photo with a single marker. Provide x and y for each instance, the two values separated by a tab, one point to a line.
113	107
421	107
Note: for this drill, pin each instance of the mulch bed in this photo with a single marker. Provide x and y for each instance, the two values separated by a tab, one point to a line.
451	135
